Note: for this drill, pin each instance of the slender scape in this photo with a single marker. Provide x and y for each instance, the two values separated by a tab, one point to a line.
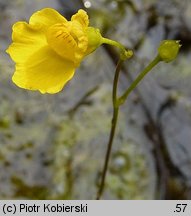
117	102
113	127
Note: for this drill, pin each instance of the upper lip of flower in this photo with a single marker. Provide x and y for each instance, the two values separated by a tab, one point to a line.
69	40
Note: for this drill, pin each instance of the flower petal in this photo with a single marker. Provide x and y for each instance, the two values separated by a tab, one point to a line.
27	39
81	17
61	41
69	40
46	17
45	71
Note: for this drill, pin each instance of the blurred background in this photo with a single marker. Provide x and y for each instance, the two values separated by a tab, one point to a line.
53	146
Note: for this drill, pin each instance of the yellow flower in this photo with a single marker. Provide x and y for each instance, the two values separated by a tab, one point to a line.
48	49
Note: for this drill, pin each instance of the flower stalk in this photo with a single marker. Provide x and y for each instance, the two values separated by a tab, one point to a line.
113	128
167	52
117	102
153	63
124	54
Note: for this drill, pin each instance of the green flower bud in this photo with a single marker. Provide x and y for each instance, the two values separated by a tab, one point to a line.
168	50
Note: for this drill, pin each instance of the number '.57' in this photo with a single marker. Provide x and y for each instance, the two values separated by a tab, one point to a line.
181	207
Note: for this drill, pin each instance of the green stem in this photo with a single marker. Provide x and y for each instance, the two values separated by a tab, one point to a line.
117	102
113	43
115	82
124	53
122	99
109	147
112	131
